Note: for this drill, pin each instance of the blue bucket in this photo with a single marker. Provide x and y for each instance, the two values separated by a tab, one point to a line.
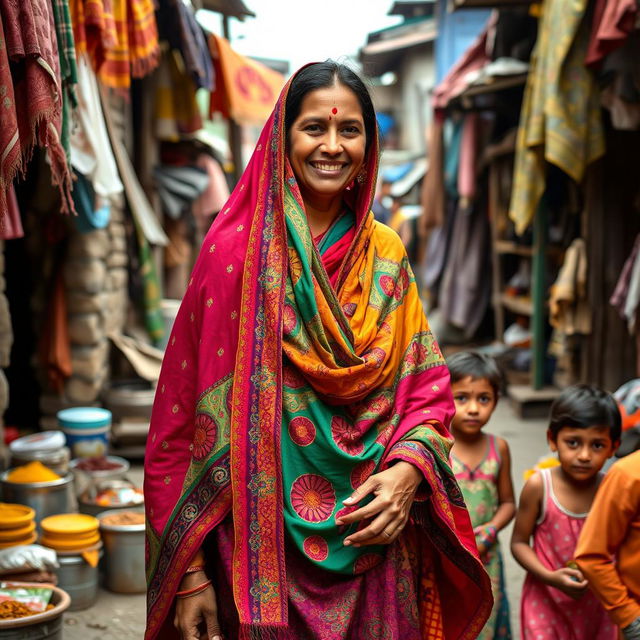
87	430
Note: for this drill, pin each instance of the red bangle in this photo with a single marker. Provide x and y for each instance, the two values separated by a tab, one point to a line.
194	590
194	568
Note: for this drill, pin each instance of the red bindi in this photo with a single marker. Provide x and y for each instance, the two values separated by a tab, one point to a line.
334	111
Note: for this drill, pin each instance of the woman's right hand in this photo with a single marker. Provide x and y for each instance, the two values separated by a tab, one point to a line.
194	612
569	581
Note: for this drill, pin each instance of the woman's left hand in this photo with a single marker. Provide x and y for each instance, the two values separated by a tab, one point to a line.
394	490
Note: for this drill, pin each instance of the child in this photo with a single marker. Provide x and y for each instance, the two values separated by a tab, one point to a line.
482	465
584	430
608	551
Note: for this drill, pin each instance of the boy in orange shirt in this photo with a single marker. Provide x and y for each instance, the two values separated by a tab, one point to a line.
608	551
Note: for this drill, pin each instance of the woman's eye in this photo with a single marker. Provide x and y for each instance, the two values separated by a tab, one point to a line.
351	131
484	399
460	399
313	128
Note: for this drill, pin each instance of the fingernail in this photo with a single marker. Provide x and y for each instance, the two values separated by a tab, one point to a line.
339	522
348	500
347	543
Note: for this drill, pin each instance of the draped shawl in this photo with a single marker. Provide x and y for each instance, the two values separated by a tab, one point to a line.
264	338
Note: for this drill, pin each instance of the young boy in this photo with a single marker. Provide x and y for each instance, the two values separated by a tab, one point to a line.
608	551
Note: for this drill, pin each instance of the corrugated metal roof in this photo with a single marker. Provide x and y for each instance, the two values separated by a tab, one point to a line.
234	8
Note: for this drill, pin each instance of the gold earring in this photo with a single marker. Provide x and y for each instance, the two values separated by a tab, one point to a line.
362	176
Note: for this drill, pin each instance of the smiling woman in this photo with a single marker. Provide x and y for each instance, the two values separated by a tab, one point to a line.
302	346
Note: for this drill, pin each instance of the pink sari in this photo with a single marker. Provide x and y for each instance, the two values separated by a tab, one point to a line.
213	462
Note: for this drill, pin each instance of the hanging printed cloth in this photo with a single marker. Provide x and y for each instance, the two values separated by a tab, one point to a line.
68	69
30	39
136	51
560	121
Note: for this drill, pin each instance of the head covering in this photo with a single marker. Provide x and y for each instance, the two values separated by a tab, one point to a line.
261	328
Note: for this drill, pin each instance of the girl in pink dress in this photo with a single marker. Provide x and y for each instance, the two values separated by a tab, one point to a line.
556	602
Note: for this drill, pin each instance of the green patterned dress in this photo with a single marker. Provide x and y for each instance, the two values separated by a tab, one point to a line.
480	490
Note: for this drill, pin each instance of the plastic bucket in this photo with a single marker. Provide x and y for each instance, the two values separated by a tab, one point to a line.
124	555
87	430
40	626
45	498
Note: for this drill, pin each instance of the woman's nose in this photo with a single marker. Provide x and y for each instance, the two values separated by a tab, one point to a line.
332	142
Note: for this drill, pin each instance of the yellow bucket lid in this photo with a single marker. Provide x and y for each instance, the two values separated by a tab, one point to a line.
65	545
8	535
30	539
64	537
69	524
13	516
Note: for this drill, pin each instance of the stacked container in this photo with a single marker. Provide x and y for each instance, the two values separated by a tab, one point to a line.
17	525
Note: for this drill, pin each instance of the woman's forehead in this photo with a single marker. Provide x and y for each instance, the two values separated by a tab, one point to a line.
336	100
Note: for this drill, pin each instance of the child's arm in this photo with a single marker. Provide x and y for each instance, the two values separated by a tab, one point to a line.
570	581
506	499
605	531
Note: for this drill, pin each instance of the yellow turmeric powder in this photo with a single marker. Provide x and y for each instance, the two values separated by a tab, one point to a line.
32	472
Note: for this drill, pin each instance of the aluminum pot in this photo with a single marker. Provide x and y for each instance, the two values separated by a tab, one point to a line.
45	498
124	554
78	578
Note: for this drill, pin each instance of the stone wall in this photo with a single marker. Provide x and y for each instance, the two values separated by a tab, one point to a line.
96	283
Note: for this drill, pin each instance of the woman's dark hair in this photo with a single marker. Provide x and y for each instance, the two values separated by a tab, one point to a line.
321	76
470	364
582	406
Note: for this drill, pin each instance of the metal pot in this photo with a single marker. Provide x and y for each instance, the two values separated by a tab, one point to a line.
124	555
45	498
79	579
57	459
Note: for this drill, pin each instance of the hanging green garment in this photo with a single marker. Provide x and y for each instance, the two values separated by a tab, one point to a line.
68	68
560	121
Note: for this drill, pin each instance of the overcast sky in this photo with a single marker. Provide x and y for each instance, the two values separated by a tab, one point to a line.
306	30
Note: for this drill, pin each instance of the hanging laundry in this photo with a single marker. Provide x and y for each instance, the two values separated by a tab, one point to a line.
189	39
68	68
36	100
94	28
91	152
176	109
11	227
214	196
92	214
560	121
136	52
613	21
569	309
626	295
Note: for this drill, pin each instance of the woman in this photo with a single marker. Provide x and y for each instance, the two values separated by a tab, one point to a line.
298	452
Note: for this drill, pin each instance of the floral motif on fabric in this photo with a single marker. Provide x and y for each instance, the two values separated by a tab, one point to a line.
422	353
361	473
291	378
346	436
302	431
289	320
379	630
316	548
313	498
391	282
375	358
299	400
262	484
349	309
205	436
295	265
366	562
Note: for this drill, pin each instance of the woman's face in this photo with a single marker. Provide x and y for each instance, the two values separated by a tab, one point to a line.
327	142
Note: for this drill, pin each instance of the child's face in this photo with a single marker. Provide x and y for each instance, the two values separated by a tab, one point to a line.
582	452
475	401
